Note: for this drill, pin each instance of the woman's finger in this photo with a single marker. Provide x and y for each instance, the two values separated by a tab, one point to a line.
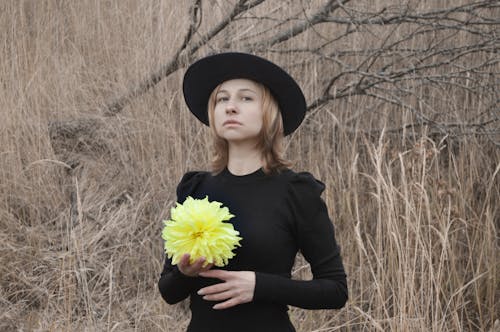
198	264
193	269
183	264
206	268
227	304
219	274
184	260
217	288
221	296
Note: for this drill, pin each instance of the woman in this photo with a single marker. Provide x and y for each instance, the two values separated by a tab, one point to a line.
251	104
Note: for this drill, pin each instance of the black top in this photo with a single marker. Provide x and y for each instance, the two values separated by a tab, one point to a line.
276	215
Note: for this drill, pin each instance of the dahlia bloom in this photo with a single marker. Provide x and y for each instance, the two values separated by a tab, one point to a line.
197	227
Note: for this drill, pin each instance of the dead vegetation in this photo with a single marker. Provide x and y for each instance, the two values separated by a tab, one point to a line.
403	127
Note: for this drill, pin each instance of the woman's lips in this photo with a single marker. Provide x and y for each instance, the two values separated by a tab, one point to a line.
231	122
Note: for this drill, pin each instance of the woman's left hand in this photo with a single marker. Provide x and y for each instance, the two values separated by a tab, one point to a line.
237	288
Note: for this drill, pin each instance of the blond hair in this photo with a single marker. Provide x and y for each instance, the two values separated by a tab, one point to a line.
271	136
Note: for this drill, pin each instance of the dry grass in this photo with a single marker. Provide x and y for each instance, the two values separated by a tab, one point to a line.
416	212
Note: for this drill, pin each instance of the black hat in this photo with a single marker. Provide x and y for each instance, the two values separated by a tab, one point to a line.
203	76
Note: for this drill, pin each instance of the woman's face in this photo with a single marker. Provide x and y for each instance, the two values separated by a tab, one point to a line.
238	113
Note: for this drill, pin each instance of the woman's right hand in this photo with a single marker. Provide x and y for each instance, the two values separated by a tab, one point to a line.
192	270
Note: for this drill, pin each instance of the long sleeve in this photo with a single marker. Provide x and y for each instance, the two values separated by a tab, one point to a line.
173	285
316	240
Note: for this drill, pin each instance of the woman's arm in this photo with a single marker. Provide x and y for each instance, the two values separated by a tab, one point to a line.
315	236
174	286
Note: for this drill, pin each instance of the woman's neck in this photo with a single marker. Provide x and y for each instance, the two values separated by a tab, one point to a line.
243	161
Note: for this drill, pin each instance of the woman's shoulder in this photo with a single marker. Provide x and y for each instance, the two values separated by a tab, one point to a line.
189	182
304	195
193	176
302	182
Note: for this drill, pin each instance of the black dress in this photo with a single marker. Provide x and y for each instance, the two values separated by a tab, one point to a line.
277	215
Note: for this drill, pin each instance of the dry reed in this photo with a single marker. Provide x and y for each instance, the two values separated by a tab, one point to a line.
416	212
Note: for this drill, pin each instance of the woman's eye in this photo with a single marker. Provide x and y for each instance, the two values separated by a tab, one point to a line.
221	99
247	98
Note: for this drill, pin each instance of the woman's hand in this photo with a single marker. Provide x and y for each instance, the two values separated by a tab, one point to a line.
237	288
194	269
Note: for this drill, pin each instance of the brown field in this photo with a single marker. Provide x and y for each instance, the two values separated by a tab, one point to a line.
411	165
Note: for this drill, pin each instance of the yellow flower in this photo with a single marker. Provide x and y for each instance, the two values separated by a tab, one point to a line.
196	227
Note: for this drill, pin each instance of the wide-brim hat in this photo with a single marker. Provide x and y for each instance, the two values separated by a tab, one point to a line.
203	76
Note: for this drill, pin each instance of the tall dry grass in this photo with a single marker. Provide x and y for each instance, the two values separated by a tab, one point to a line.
416	212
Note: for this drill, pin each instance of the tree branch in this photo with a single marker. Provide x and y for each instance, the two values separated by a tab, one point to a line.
184	54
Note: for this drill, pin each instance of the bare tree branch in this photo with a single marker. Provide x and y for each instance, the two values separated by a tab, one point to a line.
408	50
196	16
319	17
184	54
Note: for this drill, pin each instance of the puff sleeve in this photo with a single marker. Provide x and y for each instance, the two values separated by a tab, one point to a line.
315	237
173	285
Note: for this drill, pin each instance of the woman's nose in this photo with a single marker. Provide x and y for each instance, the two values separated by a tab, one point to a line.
230	108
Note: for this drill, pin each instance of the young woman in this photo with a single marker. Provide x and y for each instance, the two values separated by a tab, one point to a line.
251	104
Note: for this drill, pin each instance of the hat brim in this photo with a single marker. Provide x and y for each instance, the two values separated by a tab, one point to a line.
203	76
